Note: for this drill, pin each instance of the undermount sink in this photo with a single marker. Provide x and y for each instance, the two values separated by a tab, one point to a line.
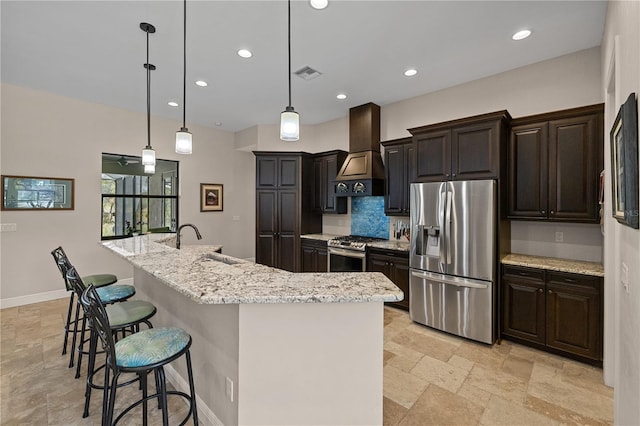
220	258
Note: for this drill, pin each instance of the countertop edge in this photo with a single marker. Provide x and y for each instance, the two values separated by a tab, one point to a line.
554	264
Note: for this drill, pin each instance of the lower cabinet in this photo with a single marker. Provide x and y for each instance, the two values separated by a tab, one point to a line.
314	255
556	311
395	266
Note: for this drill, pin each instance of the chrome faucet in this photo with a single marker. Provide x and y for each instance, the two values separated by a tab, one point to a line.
180	229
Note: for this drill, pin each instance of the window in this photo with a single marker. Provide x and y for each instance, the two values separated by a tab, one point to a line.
134	202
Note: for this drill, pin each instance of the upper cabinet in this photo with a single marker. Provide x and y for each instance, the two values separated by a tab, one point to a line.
399	173
325	170
554	165
469	148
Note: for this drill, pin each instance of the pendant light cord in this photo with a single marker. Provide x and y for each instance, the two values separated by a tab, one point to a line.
289	40
148	67
184	69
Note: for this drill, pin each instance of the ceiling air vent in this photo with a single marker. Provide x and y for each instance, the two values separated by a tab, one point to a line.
307	73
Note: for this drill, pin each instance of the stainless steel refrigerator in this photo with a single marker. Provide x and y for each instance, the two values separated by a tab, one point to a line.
453	257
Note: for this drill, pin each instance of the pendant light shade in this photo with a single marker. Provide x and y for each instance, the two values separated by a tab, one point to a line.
184	140
150	169
148	154
289	118
289	125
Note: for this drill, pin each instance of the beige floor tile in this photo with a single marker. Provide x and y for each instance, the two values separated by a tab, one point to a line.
438	406
518	367
585	376
424	344
560	414
460	362
480	353
405	359
474	394
387	356
537	356
401	387
548	384
500	411
392	412
498	383
440	373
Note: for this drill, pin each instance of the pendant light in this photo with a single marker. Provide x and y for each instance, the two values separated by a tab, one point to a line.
184	144
289	118
148	154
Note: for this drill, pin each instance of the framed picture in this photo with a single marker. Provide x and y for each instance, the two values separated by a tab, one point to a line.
37	193
624	164
211	197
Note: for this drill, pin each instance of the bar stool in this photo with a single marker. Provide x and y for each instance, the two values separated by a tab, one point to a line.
109	294
123	317
98	280
140	353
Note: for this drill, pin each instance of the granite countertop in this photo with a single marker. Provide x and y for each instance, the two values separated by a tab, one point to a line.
555	264
213	278
398	245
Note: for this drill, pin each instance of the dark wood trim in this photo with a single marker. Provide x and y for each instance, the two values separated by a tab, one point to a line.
504	115
554	115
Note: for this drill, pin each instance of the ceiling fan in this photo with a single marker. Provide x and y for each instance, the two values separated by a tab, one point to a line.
122	160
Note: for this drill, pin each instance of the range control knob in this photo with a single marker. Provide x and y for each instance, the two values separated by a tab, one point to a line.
342	187
359	188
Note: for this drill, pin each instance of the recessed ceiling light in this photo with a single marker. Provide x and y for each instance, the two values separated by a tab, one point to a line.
319	4
411	72
341	96
244	53
201	83
173	104
218	123
521	35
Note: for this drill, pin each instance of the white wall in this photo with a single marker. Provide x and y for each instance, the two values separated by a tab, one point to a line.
621	72
49	135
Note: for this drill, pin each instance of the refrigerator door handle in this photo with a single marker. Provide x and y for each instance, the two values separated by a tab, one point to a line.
449	280
442	217
448	226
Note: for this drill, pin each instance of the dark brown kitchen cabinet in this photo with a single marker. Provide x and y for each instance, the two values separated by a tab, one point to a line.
284	208
556	311
555	161
395	266
469	148
314	255
325	169
399	173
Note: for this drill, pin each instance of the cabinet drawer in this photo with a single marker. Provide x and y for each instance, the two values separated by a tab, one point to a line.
573	279
392	254
522	272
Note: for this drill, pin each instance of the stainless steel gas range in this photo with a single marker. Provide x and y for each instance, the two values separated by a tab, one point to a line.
348	253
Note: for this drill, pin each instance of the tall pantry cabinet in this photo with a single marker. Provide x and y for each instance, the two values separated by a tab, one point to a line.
284	207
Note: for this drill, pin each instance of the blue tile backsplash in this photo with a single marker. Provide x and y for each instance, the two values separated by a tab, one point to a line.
367	217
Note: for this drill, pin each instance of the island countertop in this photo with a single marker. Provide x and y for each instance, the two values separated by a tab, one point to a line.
207	277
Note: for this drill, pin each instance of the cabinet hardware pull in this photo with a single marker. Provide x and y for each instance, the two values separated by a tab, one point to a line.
523	273
539	290
550	292
570	280
552	212
543	212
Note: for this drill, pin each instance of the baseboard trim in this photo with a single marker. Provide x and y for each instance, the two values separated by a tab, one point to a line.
210	419
30	299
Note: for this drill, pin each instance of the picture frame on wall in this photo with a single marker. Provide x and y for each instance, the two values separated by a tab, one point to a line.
211	197
624	164
37	193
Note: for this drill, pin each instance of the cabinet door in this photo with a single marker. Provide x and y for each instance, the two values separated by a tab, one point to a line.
267	172
309	258
433	156
528	171
524	309
395	182
410	175
288	172
475	151
400	273
318	185
331	203
574	168
288	230
266	227
379	263
322	264
573	315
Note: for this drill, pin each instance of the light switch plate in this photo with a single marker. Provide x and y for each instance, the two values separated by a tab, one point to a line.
624	276
559	237
8	227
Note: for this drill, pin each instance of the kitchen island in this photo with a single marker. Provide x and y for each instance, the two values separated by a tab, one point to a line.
269	346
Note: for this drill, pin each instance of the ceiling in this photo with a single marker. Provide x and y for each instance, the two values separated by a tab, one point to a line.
94	50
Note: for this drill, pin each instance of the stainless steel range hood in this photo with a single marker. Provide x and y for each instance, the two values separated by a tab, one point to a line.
362	172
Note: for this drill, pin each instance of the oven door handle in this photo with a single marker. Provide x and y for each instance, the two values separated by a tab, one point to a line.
347	253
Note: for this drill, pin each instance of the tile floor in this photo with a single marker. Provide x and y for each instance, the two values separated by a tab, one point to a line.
430	378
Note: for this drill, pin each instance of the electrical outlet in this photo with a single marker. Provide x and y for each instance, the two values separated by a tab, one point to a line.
236	218
624	276
9	227
559	237
229	389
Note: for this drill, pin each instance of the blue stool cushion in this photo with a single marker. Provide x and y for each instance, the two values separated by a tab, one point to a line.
150	347
113	293
128	312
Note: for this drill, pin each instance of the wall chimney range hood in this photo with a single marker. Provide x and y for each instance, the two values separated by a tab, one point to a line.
362	172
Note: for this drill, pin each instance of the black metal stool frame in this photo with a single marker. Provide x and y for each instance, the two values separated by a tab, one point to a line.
101	324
